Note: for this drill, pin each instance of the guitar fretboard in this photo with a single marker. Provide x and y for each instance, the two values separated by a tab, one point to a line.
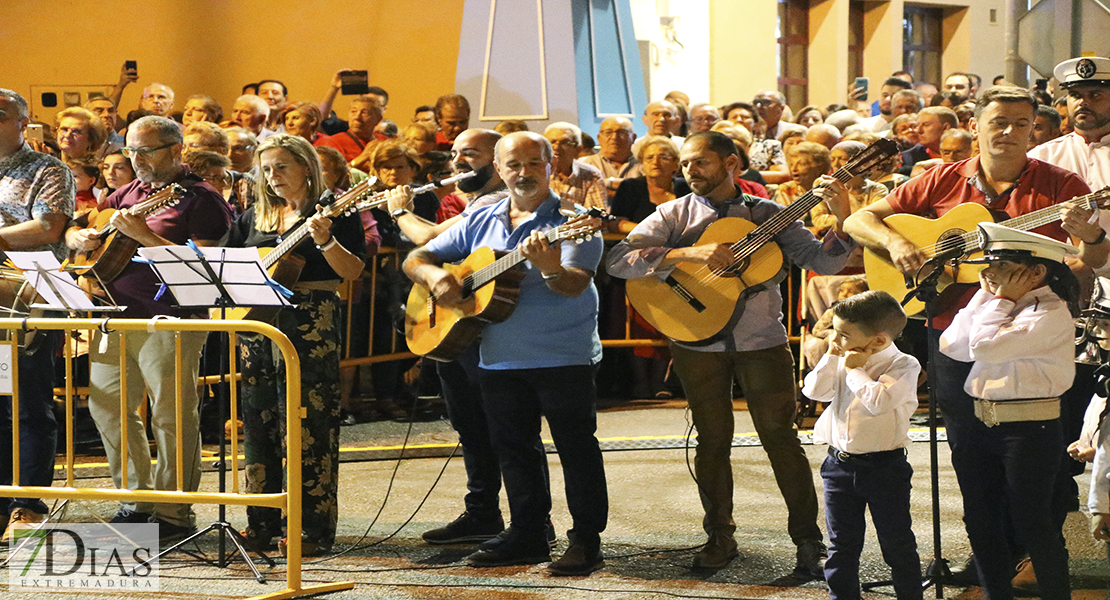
290	240
492	271
159	199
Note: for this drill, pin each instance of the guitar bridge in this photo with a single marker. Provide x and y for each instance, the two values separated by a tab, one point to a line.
684	293
430	306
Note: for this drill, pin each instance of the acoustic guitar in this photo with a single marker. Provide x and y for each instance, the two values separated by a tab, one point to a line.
107	261
443	332
695	303
955	235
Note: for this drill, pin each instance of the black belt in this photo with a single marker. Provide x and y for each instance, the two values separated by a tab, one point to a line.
867	456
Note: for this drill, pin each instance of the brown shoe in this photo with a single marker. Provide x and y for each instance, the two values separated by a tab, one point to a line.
308	549
258	541
20	516
716	553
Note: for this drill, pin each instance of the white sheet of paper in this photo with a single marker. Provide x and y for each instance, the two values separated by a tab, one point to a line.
37	267
239	269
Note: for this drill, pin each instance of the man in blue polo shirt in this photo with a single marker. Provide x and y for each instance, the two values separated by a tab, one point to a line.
538	362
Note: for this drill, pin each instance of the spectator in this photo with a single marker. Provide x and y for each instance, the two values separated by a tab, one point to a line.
615	159
810	161
276	95
661	117
386	129
905	102
252	113
589	146
810	116
862	191
826	135
904	130
1061	106
790	139
158	99
959	84
927	91
703	116
437	167
749	180
770	104
946	99
106	110
932	122
1046	126
511	126
955	145
116	171
765	153
302	119
363	116
891	86
203	136
241	145
453	118
637	197
80	133
202	108
86	172
215	168
572	179
421	136
745	114
843	119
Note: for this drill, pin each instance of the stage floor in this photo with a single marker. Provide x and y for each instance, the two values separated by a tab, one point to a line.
654	523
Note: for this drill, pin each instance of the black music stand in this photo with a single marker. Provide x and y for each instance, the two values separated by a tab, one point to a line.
937	572
221	278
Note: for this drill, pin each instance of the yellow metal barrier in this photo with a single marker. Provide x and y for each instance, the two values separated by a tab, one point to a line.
289	501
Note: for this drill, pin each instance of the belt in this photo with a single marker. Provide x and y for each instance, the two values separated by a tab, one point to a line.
993	413
866	456
329	285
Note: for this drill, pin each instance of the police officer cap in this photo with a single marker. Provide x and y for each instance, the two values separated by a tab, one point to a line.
1006	243
1088	70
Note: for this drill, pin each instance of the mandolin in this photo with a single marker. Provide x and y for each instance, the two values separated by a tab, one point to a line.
441	332
694	303
955	234
105	262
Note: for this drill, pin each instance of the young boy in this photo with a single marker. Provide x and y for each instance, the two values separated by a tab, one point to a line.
872	388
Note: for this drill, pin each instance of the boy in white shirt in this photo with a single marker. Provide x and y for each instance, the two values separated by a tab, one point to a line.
872	388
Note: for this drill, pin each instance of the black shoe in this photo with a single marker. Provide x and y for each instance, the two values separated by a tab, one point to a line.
493	542
965	576
124	515
517	549
716	553
581	558
811	559
466	528
170	533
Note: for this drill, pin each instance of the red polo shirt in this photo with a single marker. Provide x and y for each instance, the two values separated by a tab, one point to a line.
938	190
346	143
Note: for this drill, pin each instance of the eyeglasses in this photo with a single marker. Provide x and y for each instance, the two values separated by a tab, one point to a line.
143	152
710	120
765	102
613	132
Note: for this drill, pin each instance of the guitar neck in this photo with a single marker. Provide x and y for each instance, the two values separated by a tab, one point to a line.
293	238
151	204
495	269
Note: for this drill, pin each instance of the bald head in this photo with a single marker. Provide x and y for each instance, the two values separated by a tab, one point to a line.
158	99
826	135
659	116
615	138
473	151
843	119
523	159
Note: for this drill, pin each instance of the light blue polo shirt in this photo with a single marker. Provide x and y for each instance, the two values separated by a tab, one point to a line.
546	329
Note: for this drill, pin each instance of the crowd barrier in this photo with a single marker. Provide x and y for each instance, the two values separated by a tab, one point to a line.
289	502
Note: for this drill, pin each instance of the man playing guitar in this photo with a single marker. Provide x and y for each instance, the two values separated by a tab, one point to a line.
1002	178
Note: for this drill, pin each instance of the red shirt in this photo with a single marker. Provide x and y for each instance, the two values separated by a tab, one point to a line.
442	143
752	188
938	190
346	143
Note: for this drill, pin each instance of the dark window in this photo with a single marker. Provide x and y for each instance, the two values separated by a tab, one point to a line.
855	39
793	51
922	38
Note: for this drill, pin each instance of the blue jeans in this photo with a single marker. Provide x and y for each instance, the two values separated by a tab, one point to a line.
515	401
38	430
881	482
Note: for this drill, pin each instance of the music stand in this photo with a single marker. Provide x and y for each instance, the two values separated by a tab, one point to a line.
215	277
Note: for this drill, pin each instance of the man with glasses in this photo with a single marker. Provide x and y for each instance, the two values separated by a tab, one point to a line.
36	202
615	160
770	104
703	116
241	144
201	214
571	179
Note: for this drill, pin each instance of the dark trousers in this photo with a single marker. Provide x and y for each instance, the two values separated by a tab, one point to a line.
463	396
879	482
515	401
38	430
767	377
1007	475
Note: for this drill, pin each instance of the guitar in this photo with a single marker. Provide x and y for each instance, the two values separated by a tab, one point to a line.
443	332
695	303
107	261
955	234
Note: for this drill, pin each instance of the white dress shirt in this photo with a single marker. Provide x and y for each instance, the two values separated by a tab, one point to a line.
870	405
1090	161
1021	350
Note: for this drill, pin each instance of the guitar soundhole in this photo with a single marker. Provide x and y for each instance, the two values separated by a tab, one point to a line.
951	241
736	270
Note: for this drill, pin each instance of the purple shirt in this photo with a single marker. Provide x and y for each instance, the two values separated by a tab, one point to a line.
201	214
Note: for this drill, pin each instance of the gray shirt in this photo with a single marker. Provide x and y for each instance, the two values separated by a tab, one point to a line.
681	222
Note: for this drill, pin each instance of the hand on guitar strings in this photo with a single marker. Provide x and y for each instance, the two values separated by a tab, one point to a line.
319	227
444	287
1080	222
715	256
544	256
83	239
133	226
835	194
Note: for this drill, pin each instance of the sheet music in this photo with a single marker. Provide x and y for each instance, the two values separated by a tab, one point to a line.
240	271
38	267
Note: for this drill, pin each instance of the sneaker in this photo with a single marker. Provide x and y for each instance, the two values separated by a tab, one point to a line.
466	528
20	516
811	559
171	533
493	542
124	515
308	549
716	553
581	558
516	549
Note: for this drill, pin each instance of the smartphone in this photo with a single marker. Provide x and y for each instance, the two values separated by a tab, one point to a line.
131	64
354	83
33	132
1042	84
862	83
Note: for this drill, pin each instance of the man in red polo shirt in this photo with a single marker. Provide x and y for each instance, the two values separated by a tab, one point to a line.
363	116
1004	179
453	118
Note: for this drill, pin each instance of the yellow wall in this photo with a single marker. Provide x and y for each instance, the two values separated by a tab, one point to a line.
739	66
410	47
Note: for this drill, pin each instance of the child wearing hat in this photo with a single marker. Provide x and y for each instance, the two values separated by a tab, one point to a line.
1018	334
872	389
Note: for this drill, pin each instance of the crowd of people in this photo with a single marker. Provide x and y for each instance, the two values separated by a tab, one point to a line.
1010	393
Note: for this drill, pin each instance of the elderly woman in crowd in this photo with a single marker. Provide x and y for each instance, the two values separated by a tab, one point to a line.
903	129
80	133
637	197
202	108
811	115
420	136
765	155
810	161
303	119
215	168
289	190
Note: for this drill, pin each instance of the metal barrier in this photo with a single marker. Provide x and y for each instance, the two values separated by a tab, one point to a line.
290	502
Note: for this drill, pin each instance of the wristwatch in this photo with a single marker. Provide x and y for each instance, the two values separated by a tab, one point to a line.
397	212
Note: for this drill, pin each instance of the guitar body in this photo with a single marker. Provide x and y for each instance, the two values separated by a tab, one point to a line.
108	259
442	333
925	233
286	271
693	304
